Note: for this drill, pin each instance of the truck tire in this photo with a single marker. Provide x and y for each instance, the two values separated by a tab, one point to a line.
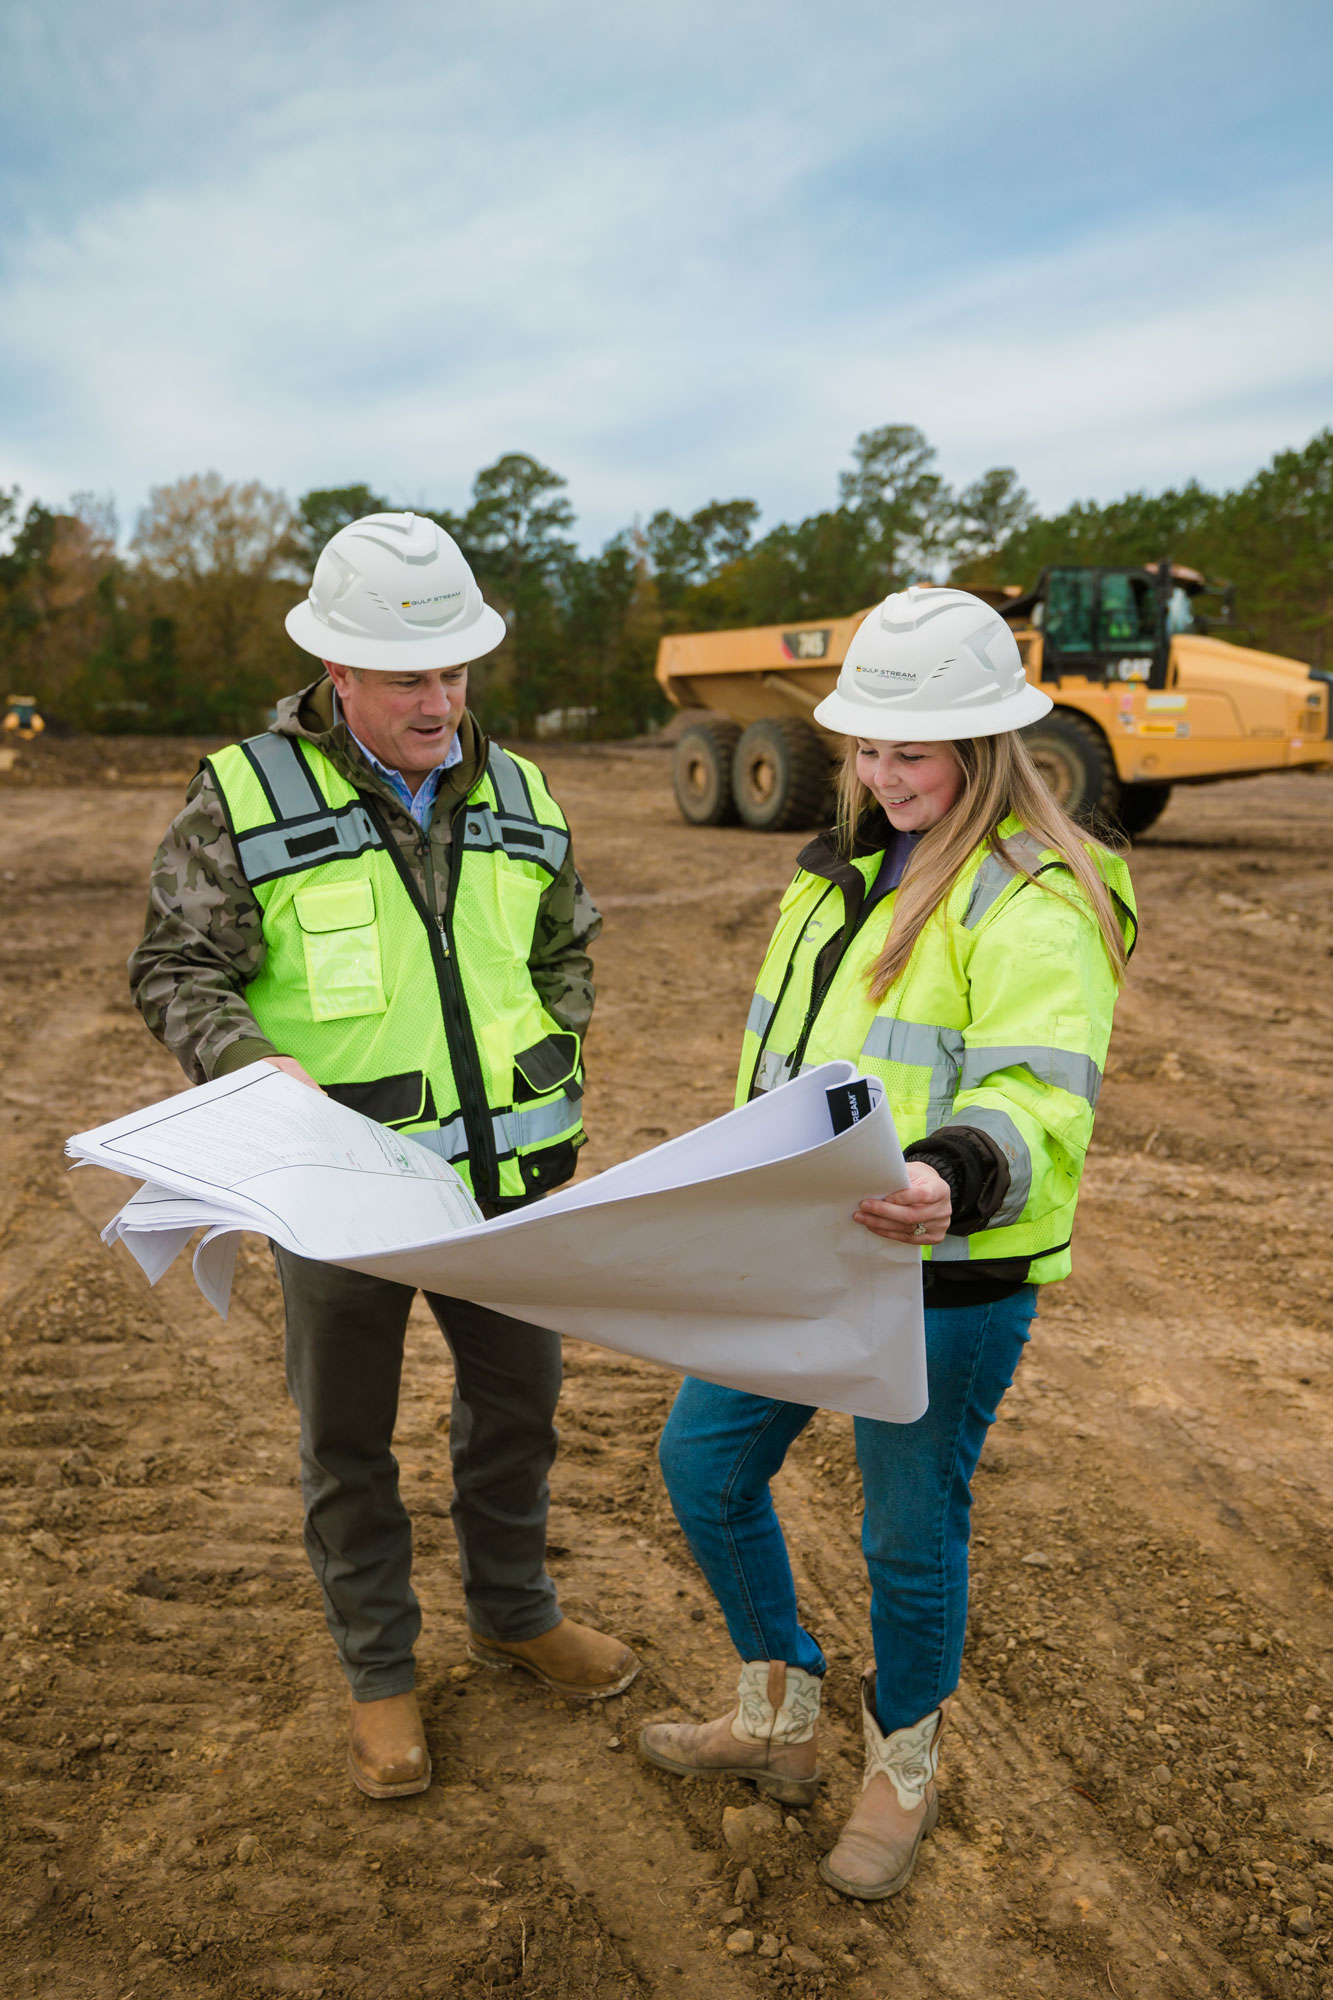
780	775
1075	760
701	771
1140	806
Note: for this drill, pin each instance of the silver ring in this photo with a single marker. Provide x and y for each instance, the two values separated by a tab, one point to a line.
919	1229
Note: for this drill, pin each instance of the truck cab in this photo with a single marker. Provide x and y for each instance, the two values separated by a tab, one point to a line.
1150	693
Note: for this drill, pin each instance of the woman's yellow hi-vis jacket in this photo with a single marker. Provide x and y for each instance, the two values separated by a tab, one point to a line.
1001	1022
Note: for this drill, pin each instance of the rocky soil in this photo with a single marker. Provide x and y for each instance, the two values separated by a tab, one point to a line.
1138	1792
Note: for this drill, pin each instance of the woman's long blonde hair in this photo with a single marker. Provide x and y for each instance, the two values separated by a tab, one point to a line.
999	779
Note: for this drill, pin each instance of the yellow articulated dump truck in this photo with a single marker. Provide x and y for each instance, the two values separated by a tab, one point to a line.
1147	696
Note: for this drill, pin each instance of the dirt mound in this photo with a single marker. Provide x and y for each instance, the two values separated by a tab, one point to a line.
103	760
1138	1791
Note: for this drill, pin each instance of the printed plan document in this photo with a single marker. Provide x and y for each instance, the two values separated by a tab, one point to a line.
729	1253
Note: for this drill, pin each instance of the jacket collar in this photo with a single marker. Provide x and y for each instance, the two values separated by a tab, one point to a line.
822	857
309	714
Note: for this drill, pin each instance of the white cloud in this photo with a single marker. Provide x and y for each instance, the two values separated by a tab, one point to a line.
675	257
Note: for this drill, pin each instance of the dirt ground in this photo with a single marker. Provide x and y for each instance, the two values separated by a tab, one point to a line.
1138	1792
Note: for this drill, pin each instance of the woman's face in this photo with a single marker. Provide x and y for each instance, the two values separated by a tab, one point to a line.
916	783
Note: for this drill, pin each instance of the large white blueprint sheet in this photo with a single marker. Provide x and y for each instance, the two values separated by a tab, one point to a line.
729	1253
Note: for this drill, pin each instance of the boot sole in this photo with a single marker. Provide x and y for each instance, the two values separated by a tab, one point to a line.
373	1789
787	1791
879	1892
501	1663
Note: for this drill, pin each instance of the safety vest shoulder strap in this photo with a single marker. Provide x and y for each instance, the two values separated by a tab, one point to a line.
508	778
291	809
520	818
288	811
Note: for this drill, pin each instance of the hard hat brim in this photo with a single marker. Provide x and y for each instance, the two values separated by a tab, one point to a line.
889	722
396	656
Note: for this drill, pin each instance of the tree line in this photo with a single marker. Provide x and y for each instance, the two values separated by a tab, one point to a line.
181	631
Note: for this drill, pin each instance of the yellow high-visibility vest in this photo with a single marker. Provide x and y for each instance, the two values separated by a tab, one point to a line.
431	1026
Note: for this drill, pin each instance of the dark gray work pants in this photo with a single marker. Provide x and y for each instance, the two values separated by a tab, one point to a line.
344	1362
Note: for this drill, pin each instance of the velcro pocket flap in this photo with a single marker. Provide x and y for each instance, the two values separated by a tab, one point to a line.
335	906
341	941
548	1064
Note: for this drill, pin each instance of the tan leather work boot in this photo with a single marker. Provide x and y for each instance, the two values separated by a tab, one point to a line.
386	1750
570	1659
769	1738
898	1806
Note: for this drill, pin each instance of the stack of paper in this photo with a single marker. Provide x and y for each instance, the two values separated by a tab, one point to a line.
729	1253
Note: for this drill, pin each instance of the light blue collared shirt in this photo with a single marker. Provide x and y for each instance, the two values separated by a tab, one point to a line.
420	803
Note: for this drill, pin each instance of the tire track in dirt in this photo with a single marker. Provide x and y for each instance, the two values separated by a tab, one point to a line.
1143	1727
225	1852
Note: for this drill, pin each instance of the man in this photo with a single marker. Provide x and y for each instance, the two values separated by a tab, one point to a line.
385	905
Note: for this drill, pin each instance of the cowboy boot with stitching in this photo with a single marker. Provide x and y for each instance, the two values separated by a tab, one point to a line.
877	1849
386	1748
769	1738
570	1659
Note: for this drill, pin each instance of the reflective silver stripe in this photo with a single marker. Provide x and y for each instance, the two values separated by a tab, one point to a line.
951	1250
920	1046
449	1141
902	1042
1064	1068
517	1130
286	773
1000	1127
511	794
513	824
514	1130
995	874
772	1071
535	842
944	1078
760	1014
282	850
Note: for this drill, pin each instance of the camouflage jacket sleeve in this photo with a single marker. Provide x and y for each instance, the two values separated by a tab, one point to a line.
567	923
203	942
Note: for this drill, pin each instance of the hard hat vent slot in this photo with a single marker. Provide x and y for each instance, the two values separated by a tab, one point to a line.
402	536
345	576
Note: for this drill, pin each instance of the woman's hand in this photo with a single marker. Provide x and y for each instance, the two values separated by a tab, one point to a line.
918	1213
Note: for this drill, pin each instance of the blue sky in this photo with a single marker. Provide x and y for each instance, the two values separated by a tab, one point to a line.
677	253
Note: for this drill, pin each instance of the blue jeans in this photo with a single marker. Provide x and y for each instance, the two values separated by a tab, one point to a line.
721	1447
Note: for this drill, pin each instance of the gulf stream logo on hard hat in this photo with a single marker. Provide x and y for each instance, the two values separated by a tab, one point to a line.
886	673
416	603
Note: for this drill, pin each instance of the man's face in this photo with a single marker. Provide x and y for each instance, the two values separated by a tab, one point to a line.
408	720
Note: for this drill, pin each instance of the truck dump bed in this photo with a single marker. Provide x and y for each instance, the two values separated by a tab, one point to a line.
755	671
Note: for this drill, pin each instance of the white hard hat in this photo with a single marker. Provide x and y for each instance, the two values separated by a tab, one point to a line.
931	665
393	591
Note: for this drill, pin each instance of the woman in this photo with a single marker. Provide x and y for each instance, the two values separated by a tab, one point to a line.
960	938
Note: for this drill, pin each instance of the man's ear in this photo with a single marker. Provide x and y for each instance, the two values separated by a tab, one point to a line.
342	677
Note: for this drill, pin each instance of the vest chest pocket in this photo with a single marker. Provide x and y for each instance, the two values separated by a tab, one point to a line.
342	949
544	1067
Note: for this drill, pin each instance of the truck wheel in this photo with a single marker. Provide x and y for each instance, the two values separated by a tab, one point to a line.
780	775
1075	760
1140	806
701	772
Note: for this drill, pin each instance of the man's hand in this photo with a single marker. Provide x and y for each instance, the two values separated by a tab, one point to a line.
918	1213
291	1067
